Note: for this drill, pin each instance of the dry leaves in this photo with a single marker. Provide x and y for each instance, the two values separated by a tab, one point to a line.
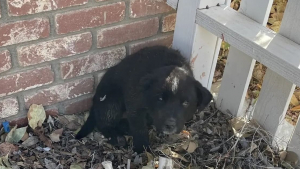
235	4
54	136
6	148
39	131
49	164
210	136
36	116
15	135
276	14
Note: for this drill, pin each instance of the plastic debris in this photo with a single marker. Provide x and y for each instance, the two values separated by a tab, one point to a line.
107	164
165	163
5	125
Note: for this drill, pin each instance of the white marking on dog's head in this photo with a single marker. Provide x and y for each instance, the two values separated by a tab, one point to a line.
173	82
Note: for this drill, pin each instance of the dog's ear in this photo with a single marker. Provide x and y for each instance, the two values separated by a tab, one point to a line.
204	96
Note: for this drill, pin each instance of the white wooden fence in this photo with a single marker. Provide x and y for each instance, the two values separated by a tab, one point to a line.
200	27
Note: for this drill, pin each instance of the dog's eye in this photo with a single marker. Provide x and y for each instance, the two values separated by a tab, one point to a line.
185	103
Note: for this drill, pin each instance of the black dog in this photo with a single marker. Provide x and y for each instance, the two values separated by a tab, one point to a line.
154	86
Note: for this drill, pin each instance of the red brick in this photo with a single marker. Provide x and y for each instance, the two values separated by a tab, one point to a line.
127	32
164	41
92	63
21	121
23	31
79	106
54	49
17	7
139	8
5	61
52	112
168	23
25	80
60	92
8	107
89	18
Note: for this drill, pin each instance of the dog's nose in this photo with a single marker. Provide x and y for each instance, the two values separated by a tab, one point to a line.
170	124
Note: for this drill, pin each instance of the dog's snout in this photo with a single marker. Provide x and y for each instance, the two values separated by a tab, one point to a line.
170	123
170	126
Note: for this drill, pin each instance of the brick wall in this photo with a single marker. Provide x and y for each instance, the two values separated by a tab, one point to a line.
54	52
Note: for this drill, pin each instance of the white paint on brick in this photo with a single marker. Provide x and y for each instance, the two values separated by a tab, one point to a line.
21	33
104	16
122	14
131	11
54	4
38	5
95	18
60	92
6	59
8	107
18	3
63	91
25	88
50	49
100	35
100	61
113	56
43	5
17	80
17	76
71	68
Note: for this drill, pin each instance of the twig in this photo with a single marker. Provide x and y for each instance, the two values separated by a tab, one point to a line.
93	156
237	140
128	163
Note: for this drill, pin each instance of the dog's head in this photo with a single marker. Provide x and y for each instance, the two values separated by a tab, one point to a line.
173	96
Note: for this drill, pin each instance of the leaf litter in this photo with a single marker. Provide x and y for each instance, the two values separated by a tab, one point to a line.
211	140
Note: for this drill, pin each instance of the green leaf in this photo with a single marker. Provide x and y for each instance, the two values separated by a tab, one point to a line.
15	135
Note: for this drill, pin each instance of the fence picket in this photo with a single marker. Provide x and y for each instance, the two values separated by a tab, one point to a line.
290	29
276	91
194	42
239	66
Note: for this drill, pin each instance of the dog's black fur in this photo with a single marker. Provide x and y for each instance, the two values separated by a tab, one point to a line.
154	86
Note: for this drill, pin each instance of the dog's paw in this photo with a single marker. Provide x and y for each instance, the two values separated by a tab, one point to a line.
78	136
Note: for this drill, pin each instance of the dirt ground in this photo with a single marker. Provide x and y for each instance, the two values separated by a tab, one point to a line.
211	140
